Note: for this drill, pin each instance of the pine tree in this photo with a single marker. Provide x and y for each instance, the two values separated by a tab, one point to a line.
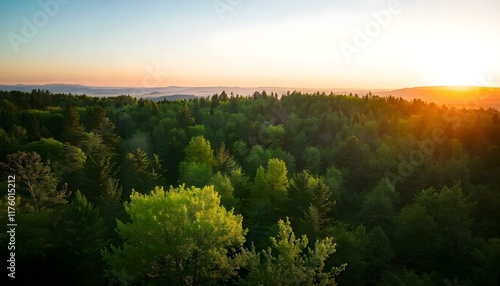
80	236
73	129
185	117
224	161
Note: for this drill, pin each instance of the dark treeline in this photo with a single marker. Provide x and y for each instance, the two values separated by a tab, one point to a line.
298	189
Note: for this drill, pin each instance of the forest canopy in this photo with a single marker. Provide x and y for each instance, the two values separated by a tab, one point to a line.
267	189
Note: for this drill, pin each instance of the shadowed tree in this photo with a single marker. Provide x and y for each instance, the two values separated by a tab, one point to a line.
185	117
224	161
312	160
194	173
310	203
379	206
434	231
80	236
143	174
73	130
101	125
36	180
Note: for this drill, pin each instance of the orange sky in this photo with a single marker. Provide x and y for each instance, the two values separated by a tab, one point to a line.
360	44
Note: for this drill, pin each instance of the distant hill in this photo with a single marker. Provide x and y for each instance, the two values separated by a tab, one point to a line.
154	92
459	96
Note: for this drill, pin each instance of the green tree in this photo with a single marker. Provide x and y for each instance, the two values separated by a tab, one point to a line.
310	203
101	182
224	161
185	118
194	173
379	206
405	278
33	126
274	135
312	160
18	135
258	156
101	125
98	171
48	148
80	236
379	253
333	179
143	174
223	186
290	262
199	150
487	258
214	104
434	231
179	237
36	179
271	183
70	168
73	129
351	249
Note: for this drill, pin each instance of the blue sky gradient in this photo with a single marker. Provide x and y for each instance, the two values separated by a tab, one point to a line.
294	43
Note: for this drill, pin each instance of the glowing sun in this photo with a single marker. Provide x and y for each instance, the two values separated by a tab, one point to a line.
458	61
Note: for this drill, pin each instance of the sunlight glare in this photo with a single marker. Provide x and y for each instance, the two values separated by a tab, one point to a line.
456	61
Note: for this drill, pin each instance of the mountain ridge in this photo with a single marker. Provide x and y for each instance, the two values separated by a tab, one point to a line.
459	96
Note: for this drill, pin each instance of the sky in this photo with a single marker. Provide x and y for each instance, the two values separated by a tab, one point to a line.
251	43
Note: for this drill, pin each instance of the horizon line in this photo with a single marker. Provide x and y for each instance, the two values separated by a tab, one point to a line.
254	87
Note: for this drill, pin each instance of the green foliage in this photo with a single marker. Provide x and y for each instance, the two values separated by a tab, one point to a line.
275	135
73	160
143	174
73	130
379	253
351	248
185	118
258	157
312	160
224	161
370	155
405	278
290	262
36	181
223	186
309	200
139	140
101	183
34	236
194	173
379	206
434	232
18	135
48	148
179	237
199	150
487	258
333	179
102	125
80	236
271	183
